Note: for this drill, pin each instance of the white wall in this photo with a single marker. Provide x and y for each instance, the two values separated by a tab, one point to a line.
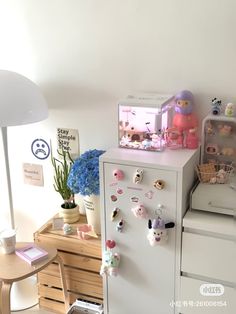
85	55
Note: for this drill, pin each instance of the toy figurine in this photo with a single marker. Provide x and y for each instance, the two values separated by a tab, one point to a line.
216	106
158	231
110	260
185	121
229	110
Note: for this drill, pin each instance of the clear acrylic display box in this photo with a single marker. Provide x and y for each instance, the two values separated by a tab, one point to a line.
143	120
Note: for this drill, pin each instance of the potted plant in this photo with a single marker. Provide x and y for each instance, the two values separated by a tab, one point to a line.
69	209
84	179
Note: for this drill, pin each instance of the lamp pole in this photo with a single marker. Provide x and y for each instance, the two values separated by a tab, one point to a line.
6	157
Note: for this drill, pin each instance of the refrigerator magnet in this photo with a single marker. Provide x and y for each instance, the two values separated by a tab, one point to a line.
118	174
113	198
140	211
149	194
138	176
120	225
159	184
114	213
157	233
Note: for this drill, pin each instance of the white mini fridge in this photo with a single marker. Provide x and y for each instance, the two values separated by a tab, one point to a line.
144	196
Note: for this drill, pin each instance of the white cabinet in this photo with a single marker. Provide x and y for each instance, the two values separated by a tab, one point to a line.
149	277
208	257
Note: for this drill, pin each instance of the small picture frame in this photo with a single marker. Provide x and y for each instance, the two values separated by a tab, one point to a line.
57	223
31	253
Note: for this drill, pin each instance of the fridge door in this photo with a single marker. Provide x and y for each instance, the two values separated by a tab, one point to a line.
146	277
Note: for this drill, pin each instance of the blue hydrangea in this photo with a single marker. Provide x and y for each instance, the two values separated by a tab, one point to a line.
84	174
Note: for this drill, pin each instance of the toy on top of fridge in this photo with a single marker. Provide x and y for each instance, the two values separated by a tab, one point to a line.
183	133
143	120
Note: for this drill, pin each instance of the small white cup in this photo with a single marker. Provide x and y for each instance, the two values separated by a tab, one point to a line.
8	241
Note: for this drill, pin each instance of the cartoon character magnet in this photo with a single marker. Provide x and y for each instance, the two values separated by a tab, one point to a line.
120	225
118	174
110	260
157	233
138	176
140	211
159	184
114	213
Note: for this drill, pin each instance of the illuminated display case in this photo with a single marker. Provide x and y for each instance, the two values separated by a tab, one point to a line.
143	120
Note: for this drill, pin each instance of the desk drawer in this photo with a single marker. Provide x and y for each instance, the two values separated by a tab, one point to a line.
193	302
210	257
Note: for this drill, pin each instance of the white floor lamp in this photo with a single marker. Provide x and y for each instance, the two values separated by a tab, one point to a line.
21	102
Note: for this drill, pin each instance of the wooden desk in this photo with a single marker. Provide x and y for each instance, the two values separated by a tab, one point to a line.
13	268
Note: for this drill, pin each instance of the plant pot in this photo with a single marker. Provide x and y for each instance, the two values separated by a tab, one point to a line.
92	208
69	215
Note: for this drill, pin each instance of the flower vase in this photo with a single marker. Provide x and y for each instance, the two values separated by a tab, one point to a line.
92	208
69	215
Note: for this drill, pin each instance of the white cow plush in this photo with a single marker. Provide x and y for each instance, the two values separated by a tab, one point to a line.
157	233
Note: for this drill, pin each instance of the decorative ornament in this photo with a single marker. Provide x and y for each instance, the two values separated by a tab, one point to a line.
159	184
157	233
140	211
138	176
113	198
114	213
229	110
110	260
118	174
149	194
40	148
67	229
85	232
120	225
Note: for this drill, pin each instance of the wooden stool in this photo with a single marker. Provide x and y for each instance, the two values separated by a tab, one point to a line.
13	268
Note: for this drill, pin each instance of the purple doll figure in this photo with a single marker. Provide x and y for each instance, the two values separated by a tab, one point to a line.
185	121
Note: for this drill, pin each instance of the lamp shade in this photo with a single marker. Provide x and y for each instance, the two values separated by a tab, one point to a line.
21	101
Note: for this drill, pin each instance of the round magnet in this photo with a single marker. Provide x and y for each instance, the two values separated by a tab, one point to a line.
118	174
119	191
113	198
159	184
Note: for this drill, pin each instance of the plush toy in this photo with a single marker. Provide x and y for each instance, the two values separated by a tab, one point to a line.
158	231
185	121
110	260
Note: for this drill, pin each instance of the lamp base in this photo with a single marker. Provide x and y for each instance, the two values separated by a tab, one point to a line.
24	294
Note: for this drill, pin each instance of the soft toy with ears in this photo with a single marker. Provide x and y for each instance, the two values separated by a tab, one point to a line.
158	231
